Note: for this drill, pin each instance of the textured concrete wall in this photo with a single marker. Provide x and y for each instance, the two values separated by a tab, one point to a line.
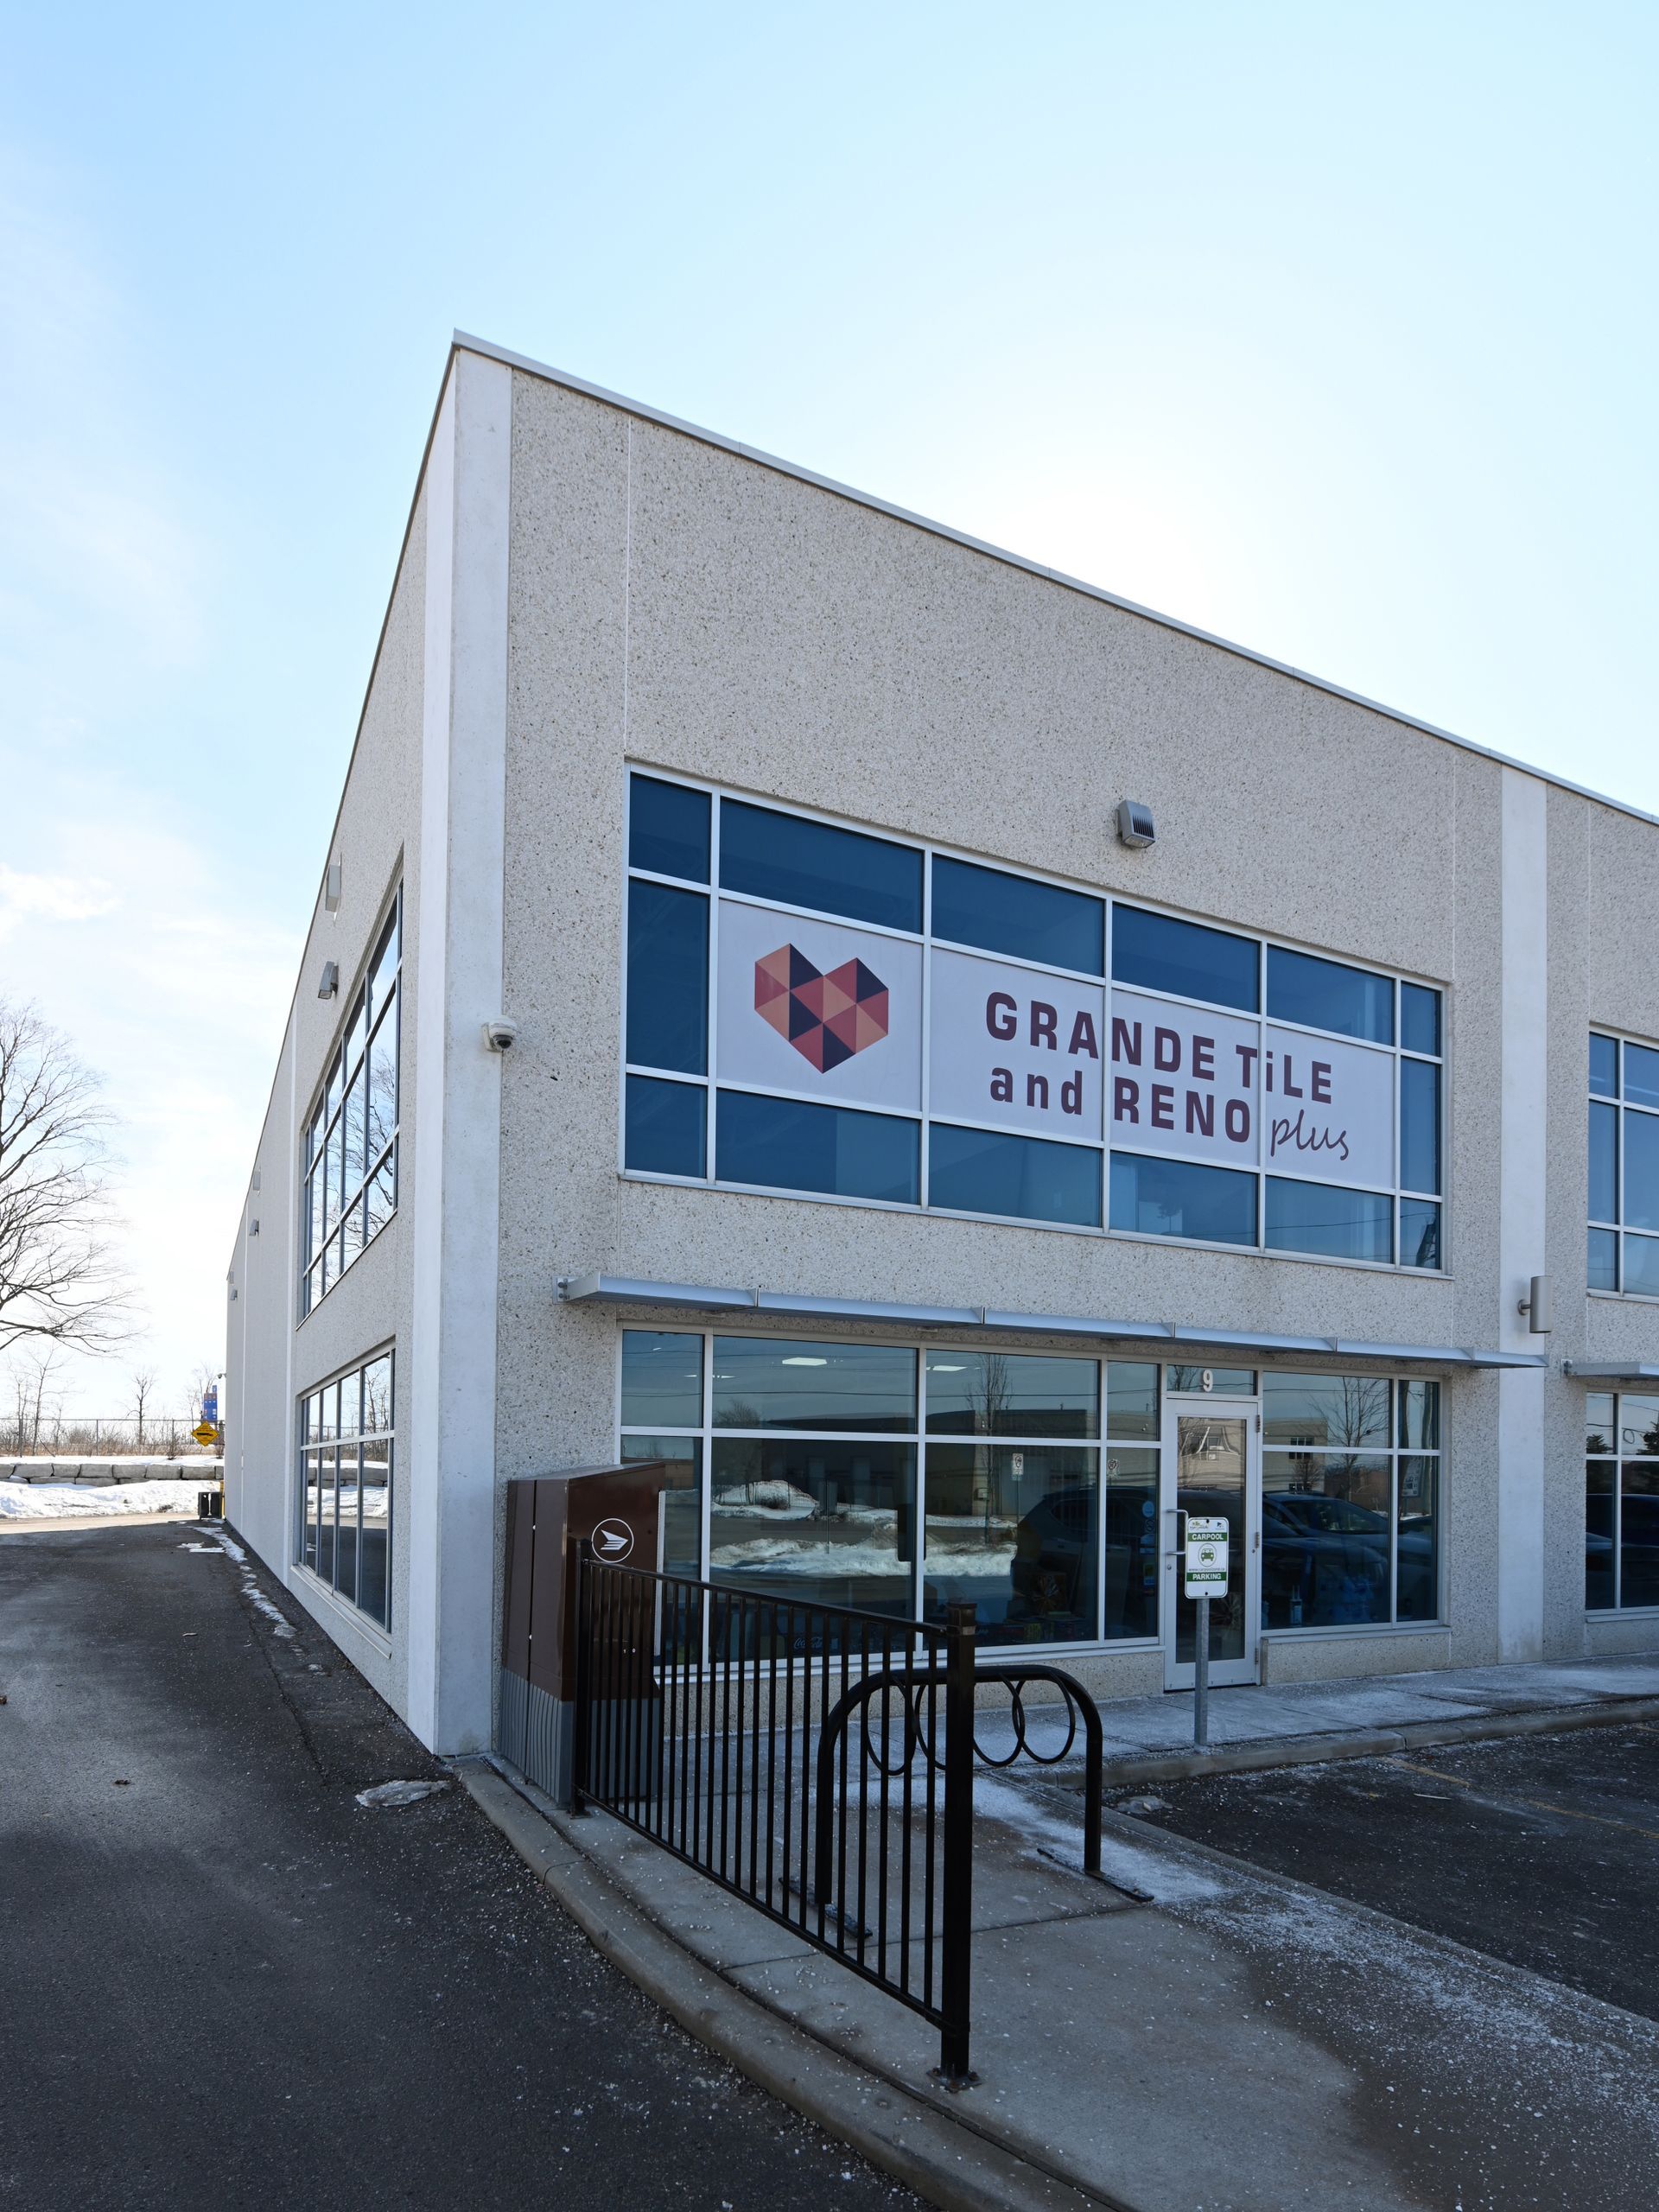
376	841
677	606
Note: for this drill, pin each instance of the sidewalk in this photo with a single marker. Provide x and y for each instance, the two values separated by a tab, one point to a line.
1238	2042
1150	1739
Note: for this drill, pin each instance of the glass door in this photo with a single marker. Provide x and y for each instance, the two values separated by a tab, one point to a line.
1213	1468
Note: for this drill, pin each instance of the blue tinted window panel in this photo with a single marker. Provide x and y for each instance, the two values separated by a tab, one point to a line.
1603	1259
1420	1233
1420	1125
1640	1269
1604	1066
668	978
1011	913
1603	1163
1641	1134
665	1126
1165	955
1600	1534
979	1171
1176	1197
1641	1086
668	828
813	864
1323	994
1329	1223
1420	1018
782	1144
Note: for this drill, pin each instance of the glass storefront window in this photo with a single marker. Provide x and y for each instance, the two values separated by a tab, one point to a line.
982	1170
1011	1394
816	1521
1327	1412
662	1379
1132	1399
898	1480
1015	1530
1131	1581
1621	1501
782	1383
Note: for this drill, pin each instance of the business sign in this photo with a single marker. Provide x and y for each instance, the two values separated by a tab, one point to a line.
818	1009
1198	1085
828	1010
1207	1555
1015	1048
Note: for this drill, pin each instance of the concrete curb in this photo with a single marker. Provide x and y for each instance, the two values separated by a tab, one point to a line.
943	2158
1374	1743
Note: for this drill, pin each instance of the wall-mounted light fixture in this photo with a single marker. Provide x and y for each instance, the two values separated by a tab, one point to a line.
1134	824
330	888
1537	1307
329	982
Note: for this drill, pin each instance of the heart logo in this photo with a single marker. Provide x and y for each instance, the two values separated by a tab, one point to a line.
826	1018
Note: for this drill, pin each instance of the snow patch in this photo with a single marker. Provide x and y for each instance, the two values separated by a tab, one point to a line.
64	1501
398	1793
1166	1879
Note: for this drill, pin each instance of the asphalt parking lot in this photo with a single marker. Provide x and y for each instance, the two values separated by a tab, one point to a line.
1542	1851
225	1983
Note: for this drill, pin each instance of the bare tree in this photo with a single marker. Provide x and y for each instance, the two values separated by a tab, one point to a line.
59	1284
143	1390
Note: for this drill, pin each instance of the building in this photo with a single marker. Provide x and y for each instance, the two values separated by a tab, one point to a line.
949	1181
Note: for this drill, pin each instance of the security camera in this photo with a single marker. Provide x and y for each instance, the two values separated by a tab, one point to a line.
499	1034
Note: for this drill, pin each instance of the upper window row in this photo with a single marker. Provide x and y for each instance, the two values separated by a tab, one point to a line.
1624	1243
350	1141
797	861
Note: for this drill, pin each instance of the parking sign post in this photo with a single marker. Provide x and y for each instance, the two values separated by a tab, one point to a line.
1206	1578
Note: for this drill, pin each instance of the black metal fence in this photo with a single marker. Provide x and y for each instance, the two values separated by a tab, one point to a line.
715	1721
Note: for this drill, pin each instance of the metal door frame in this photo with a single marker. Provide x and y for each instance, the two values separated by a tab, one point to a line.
1231	1672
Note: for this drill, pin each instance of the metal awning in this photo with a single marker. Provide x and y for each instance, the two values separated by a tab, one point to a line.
1612	1370
1171	1339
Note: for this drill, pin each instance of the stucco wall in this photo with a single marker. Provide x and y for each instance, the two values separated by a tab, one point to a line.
376	840
676	604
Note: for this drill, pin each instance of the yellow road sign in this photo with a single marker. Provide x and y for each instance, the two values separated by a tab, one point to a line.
204	1432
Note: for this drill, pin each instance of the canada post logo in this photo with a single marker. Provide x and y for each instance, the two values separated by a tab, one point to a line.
826	1018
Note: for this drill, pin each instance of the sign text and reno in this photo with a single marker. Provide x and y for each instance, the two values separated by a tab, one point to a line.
822	1010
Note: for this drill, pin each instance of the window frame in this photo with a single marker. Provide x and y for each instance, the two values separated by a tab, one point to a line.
321	1264
705	1434
1398	1193
305	1446
1622	1108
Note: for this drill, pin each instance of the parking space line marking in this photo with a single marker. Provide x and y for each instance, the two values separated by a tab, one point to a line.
1533	1804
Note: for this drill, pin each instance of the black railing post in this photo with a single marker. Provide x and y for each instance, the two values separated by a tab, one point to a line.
575	1597
956	1930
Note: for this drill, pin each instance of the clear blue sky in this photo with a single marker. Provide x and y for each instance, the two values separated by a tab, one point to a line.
1331	329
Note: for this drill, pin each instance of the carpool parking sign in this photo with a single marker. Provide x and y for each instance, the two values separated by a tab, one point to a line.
1206	1556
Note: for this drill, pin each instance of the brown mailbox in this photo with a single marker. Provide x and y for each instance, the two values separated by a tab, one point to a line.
619	1510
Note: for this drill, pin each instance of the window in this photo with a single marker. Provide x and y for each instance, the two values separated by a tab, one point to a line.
1351	1510
1623	1239
1621	1502
819	1010
350	1145
900	1480
345	1446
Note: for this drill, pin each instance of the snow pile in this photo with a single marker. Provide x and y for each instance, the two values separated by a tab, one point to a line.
59	1501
